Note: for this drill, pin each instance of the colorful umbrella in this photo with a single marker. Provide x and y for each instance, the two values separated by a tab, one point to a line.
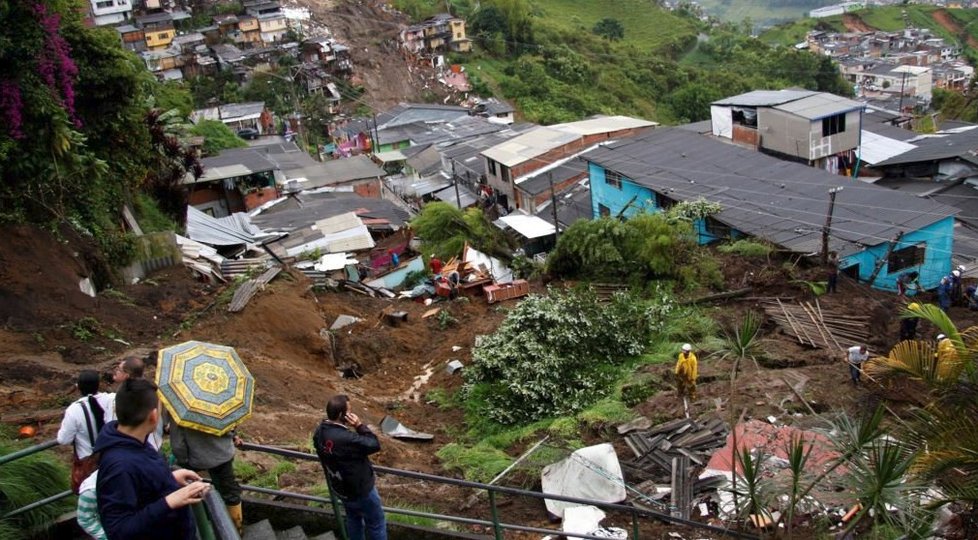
205	386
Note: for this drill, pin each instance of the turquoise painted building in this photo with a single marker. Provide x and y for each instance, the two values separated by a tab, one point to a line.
781	202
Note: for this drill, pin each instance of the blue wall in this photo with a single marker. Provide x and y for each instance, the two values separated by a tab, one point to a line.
939	238
646	200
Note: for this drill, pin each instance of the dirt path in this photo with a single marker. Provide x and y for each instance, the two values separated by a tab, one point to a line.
945	19
854	23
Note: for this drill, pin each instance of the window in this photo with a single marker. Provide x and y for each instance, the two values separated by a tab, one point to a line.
906	257
716	229
833	124
665	203
505	174
612	178
744	116
104	4
603	210
492	167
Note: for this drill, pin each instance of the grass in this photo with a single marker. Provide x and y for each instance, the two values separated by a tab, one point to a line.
794	32
28	480
758	12
646	26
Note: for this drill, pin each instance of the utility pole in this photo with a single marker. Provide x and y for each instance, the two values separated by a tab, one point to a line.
903	83
553	204
828	224
458	198
376	136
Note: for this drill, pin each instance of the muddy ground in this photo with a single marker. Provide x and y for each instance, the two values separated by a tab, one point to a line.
279	336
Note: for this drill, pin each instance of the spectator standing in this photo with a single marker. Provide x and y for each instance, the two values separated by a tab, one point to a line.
81	425
138	496
344	444
133	367
87	511
201	451
857	355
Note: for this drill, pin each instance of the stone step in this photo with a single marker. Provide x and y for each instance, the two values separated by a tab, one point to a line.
295	533
259	531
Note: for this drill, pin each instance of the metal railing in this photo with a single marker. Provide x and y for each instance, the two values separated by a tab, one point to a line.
215	512
498	527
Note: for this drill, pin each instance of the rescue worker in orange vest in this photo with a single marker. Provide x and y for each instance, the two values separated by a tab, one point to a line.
686	372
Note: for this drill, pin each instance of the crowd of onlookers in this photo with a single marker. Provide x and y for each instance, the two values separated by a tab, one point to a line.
128	489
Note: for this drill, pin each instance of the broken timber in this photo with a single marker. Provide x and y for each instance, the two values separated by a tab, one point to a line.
816	328
249	288
685	439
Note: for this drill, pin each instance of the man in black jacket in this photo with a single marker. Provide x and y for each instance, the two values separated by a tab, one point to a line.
343	455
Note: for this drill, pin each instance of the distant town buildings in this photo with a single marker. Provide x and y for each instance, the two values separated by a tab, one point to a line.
908	63
438	34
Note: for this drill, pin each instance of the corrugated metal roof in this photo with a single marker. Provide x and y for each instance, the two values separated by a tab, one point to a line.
964	144
764	98
874	148
529	226
765	197
449	195
539	181
338	223
231	164
542	139
820	105
339	171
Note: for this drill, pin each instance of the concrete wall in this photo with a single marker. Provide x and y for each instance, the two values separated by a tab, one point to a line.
939	240
614	198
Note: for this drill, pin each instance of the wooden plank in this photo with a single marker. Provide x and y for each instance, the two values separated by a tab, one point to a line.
430	313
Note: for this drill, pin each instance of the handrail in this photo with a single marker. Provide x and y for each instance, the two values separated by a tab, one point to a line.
512	491
224	528
7	458
37	504
429	515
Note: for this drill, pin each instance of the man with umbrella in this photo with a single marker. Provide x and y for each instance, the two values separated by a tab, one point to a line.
201	451
206	391
344	444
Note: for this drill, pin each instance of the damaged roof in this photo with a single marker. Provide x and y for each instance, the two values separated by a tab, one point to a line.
763	196
341	171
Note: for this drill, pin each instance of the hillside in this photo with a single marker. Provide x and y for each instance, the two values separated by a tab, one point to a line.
761	13
646	25
954	25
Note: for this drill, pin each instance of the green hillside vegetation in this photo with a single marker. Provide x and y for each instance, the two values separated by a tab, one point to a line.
645	25
556	69
795	31
762	13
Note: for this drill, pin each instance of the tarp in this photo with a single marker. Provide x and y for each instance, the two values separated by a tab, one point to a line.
589	473
529	226
392	428
232	230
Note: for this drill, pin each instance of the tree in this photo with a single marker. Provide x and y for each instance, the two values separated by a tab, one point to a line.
444	230
554	355
217	136
691	103
946	422
610	29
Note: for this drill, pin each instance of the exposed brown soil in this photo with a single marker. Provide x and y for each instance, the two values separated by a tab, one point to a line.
371	30
854	23
279	336
945	19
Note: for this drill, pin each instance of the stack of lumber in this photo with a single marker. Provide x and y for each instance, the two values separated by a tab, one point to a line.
816	328
604	291
249	288
655	448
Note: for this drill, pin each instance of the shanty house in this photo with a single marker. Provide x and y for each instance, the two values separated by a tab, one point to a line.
816	128
513	161
236	180
874	230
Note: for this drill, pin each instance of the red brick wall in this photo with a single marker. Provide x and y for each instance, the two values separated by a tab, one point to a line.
559	188
204	196
368	188
257	198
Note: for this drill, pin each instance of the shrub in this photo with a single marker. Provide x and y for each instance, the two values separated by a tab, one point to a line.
746	248
555	355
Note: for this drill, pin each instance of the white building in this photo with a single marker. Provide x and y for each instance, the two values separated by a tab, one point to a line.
108	12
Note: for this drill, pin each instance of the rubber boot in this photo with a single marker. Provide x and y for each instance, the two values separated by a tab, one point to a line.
235	512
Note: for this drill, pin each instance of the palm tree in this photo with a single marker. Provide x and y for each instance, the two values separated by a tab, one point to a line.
944	429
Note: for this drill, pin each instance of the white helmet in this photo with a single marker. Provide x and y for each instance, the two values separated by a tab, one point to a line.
940	337
961	268
956	273
687	347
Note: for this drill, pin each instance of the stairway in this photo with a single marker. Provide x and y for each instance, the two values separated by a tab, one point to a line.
263	530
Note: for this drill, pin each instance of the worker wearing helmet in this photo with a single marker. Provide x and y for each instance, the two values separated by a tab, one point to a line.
957	287
908	325
945	350
686	372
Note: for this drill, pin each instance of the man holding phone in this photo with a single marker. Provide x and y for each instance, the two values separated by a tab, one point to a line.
343	444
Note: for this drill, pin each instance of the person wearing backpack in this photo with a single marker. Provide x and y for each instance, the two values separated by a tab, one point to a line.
81	425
